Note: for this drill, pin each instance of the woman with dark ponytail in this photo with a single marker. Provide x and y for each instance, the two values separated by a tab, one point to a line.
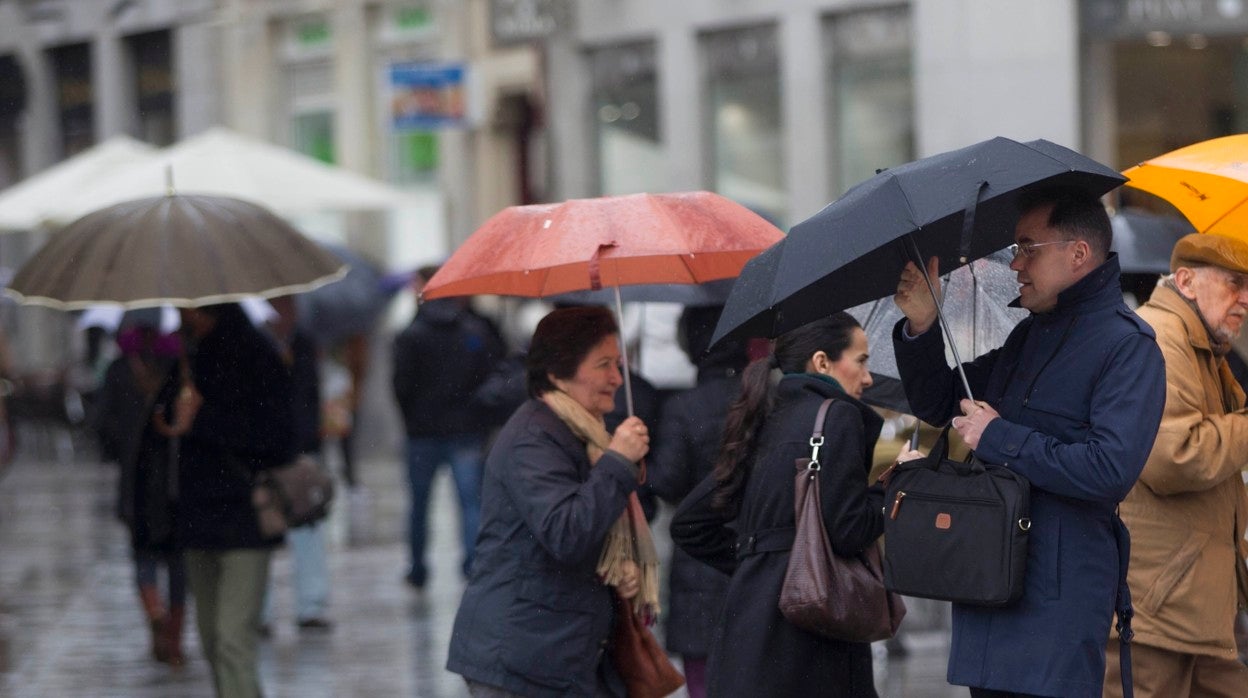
740	520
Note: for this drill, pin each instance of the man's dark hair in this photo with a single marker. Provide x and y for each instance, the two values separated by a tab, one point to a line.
562	340
1077	214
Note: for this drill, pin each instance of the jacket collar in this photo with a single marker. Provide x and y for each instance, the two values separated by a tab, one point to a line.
797	384
1165	298
1100	289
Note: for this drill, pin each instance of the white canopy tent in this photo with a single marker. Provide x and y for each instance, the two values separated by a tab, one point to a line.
28	203
222	162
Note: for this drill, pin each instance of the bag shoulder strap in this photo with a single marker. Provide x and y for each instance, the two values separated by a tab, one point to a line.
816	434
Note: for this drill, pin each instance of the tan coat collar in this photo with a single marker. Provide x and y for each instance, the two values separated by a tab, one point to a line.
1165	298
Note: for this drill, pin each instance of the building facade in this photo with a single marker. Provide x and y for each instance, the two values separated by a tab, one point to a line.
473	105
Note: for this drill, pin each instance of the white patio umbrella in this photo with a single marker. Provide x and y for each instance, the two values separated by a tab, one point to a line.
224	163
26	204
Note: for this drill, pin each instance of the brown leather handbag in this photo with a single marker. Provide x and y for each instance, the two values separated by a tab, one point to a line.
640	660
836	597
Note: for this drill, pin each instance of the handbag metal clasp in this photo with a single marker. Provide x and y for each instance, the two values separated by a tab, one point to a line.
815	443
1024	525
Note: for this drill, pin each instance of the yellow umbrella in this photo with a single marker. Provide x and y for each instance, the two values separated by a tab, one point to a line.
1206	181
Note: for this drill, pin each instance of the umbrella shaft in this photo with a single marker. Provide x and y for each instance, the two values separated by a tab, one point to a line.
940	315
628	381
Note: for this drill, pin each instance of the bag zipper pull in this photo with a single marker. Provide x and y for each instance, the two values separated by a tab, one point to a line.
896	505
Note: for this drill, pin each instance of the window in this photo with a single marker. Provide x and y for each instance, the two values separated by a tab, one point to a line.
743	94
72	67
625	102
153	80
871	97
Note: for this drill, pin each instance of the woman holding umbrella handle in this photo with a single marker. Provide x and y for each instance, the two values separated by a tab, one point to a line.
560	525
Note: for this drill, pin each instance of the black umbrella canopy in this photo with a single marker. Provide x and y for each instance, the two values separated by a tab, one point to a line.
349	306
853	250
710	293
1145	240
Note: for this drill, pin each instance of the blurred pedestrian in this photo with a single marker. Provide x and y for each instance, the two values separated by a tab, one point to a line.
749	497
307	543
440	360
1071	401
1188	512
137	385
233	413
536	616
685	448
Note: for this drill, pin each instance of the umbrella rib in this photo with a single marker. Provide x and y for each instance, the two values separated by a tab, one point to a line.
1224	215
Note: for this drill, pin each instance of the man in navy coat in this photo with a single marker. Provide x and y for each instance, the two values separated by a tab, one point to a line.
1071	401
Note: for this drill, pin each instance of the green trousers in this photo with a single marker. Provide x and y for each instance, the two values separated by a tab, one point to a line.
228	587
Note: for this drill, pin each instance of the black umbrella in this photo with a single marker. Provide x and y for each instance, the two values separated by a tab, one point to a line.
1145	240
959	206
694	295
346	307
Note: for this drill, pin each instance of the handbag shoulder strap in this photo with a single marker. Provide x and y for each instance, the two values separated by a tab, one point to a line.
816	434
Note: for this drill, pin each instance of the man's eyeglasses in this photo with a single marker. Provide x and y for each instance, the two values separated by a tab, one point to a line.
1027	250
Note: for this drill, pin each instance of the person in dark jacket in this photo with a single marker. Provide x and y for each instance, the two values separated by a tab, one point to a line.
232	414
1071	401
301	358
686	444
135	387
536	616
440	360
741	520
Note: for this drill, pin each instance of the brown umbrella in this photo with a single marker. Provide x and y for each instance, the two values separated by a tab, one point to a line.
183	250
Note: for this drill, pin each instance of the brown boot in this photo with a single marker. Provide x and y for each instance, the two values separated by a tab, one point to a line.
154	608
172	637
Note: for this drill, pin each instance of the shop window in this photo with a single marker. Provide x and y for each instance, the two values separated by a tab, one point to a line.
871	100
744	119
628	149
310	106
12	104
71	66
151	54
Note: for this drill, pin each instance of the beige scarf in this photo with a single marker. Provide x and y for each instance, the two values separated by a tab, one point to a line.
629	539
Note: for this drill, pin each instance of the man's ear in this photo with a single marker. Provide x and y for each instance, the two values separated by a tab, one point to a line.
1185	281
1083	253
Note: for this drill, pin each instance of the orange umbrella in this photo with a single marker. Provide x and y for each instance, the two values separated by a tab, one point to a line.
611	241
1206	181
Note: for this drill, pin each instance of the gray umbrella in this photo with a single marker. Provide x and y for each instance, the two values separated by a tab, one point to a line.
182	250
347	307
1144	240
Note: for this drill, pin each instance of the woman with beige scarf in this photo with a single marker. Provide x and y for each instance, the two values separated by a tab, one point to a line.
556	544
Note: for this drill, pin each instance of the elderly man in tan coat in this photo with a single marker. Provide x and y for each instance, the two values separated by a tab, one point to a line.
1188	511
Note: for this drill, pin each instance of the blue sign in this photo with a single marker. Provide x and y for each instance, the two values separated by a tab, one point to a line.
425	96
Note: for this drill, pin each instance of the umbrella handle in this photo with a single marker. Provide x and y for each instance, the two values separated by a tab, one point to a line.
940	315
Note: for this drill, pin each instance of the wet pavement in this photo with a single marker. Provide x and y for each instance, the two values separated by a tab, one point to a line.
70	623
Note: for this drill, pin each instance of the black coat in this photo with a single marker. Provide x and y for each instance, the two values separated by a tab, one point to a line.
245	425
688	441
756	652
1080	390
534	619
146	495
440	360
